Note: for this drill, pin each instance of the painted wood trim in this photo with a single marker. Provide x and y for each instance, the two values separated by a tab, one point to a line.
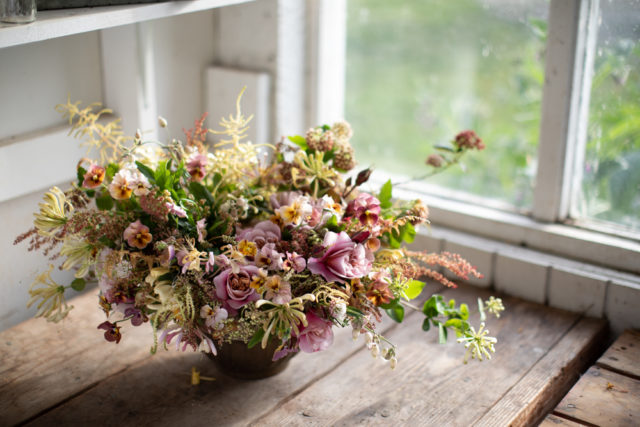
64	22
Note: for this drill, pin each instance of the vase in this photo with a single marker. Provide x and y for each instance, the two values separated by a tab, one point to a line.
236	360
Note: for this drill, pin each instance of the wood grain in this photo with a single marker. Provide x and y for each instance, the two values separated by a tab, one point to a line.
540	390
624	355
431	385
603	398
42	364
556	421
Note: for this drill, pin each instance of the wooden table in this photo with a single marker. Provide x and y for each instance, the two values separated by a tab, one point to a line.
608	394
67	374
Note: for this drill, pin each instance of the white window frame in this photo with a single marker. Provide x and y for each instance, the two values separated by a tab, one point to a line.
570	50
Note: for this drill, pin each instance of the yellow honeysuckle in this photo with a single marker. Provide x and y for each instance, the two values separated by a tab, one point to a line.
53	306
78	252
53	212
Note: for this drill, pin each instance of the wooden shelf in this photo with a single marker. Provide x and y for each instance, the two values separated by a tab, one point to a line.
65	22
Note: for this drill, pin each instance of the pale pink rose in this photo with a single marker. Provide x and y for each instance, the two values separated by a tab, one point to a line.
234	289
262	233
316	336
342	260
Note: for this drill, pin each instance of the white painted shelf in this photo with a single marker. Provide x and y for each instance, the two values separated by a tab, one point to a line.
65	22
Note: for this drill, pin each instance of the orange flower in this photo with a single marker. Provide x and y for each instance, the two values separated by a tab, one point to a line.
94	176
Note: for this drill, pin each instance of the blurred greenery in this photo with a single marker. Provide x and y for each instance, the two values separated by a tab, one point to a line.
418	72
611	176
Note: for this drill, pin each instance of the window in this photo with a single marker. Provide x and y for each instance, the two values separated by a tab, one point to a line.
548	90
418	72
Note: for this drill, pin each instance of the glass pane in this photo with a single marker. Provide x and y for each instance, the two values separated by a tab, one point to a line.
418	72
610	188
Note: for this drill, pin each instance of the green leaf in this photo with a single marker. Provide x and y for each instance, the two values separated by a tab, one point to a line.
161	175
112	170
445	148
408	233
385	195
332	225
454	323
464	311
256	338
201	192
300	141
354	312
80	174
442	333
104	202
430	307
394	242
414	288
107	242
396	313
426	324
78	284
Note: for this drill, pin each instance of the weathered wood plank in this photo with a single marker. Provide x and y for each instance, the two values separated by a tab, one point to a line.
158	391
431	385
624	355
42	364
555	421
603	398
540	390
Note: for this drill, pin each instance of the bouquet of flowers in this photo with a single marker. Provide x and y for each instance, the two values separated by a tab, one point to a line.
245	242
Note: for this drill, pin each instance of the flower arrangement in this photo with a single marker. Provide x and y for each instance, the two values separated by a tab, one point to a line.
246	242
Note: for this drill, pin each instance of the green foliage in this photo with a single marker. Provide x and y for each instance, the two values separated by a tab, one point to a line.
104	202
78	284
414	289
394	310
80	175
256	338
385	195
112	170
445	315
146	171
201	192
300	141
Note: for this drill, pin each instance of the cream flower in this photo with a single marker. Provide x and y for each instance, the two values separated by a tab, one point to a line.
53	306
122	185
53	212
78	252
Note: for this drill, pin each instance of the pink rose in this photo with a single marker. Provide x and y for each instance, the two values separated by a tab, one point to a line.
234	289
342	260
316	336
262	233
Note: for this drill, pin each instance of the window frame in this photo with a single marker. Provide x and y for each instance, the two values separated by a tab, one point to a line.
551	226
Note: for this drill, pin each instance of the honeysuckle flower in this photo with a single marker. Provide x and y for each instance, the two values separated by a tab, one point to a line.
53	305
94	176
478	344
213	316
366	208
342	259
78	252
234	289
316	335
262	233
112	331
53	212
191	258
277	290
137	235
122	185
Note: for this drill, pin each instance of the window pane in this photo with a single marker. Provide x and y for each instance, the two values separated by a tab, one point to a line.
418	72
610	188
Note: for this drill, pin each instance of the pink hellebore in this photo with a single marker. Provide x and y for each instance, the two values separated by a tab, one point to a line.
366	208
342	260
234	289
316	336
